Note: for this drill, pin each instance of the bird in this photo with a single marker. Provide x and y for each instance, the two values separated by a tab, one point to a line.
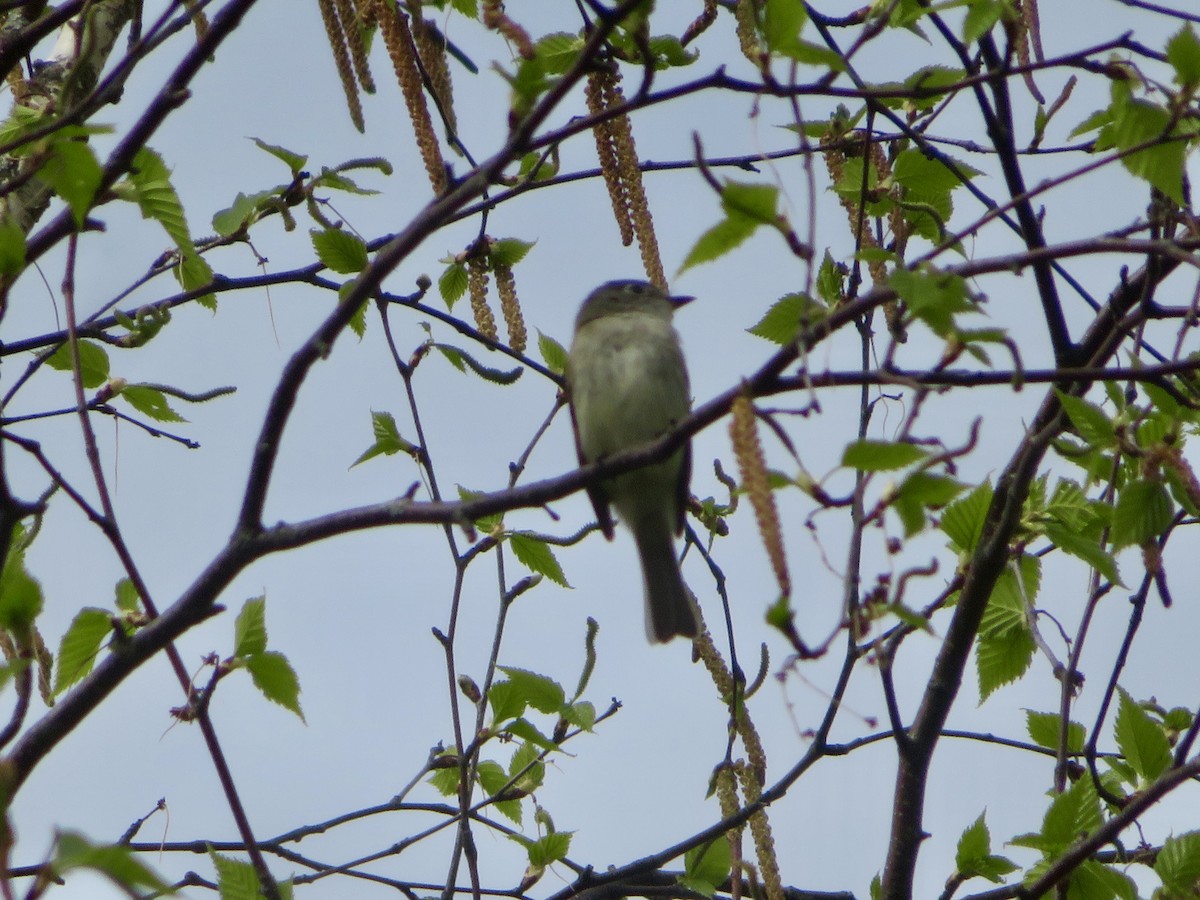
627	383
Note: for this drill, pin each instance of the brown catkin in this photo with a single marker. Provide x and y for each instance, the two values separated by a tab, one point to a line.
701	23
756	484
352	27
341	59
510	307
431	44
45	665
403	53
726	789
495	18
760	830
477	283
745	12
607	152
630	172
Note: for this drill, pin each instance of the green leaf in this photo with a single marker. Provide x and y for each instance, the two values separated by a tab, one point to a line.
12	249
831	281
453	283
506	701
1095	881
387	439
1085	547
1072	815
445	781
1138	122
558	51
706	868
127	596
1141	740
244	211
73	851
157	199
719	240
786	317
757	202
982	15
275	677
920	492
150	401
547	849
881	456
553	354
74	174
933	297
339	250
581	714
1006	642
525	730
974	858
236	880
1044	731
93	363
80	645
1089	420
543	694
508	251
294	161
963	520
1142	513
536	555
532	770
1178	864
250	629
20	595
1183	53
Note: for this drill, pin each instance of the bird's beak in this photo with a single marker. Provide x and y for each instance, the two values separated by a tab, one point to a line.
678	300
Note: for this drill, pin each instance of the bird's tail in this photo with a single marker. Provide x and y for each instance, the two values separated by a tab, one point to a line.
670	607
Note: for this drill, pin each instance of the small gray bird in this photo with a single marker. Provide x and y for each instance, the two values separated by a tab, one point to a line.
628	385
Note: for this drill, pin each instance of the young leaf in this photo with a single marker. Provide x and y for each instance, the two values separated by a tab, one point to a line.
705	868
1089	420
1006	643
543	694
73	172
1141	740
150	401
275	677
236	880
74	851
1044	731
294	161
1183	53
93	363
1142	513
12	249
387	439
80	645
881	456
719	240
963	520
786	317
1084	547
1178	864
553	354
974	858
250	629
536	555
339	250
